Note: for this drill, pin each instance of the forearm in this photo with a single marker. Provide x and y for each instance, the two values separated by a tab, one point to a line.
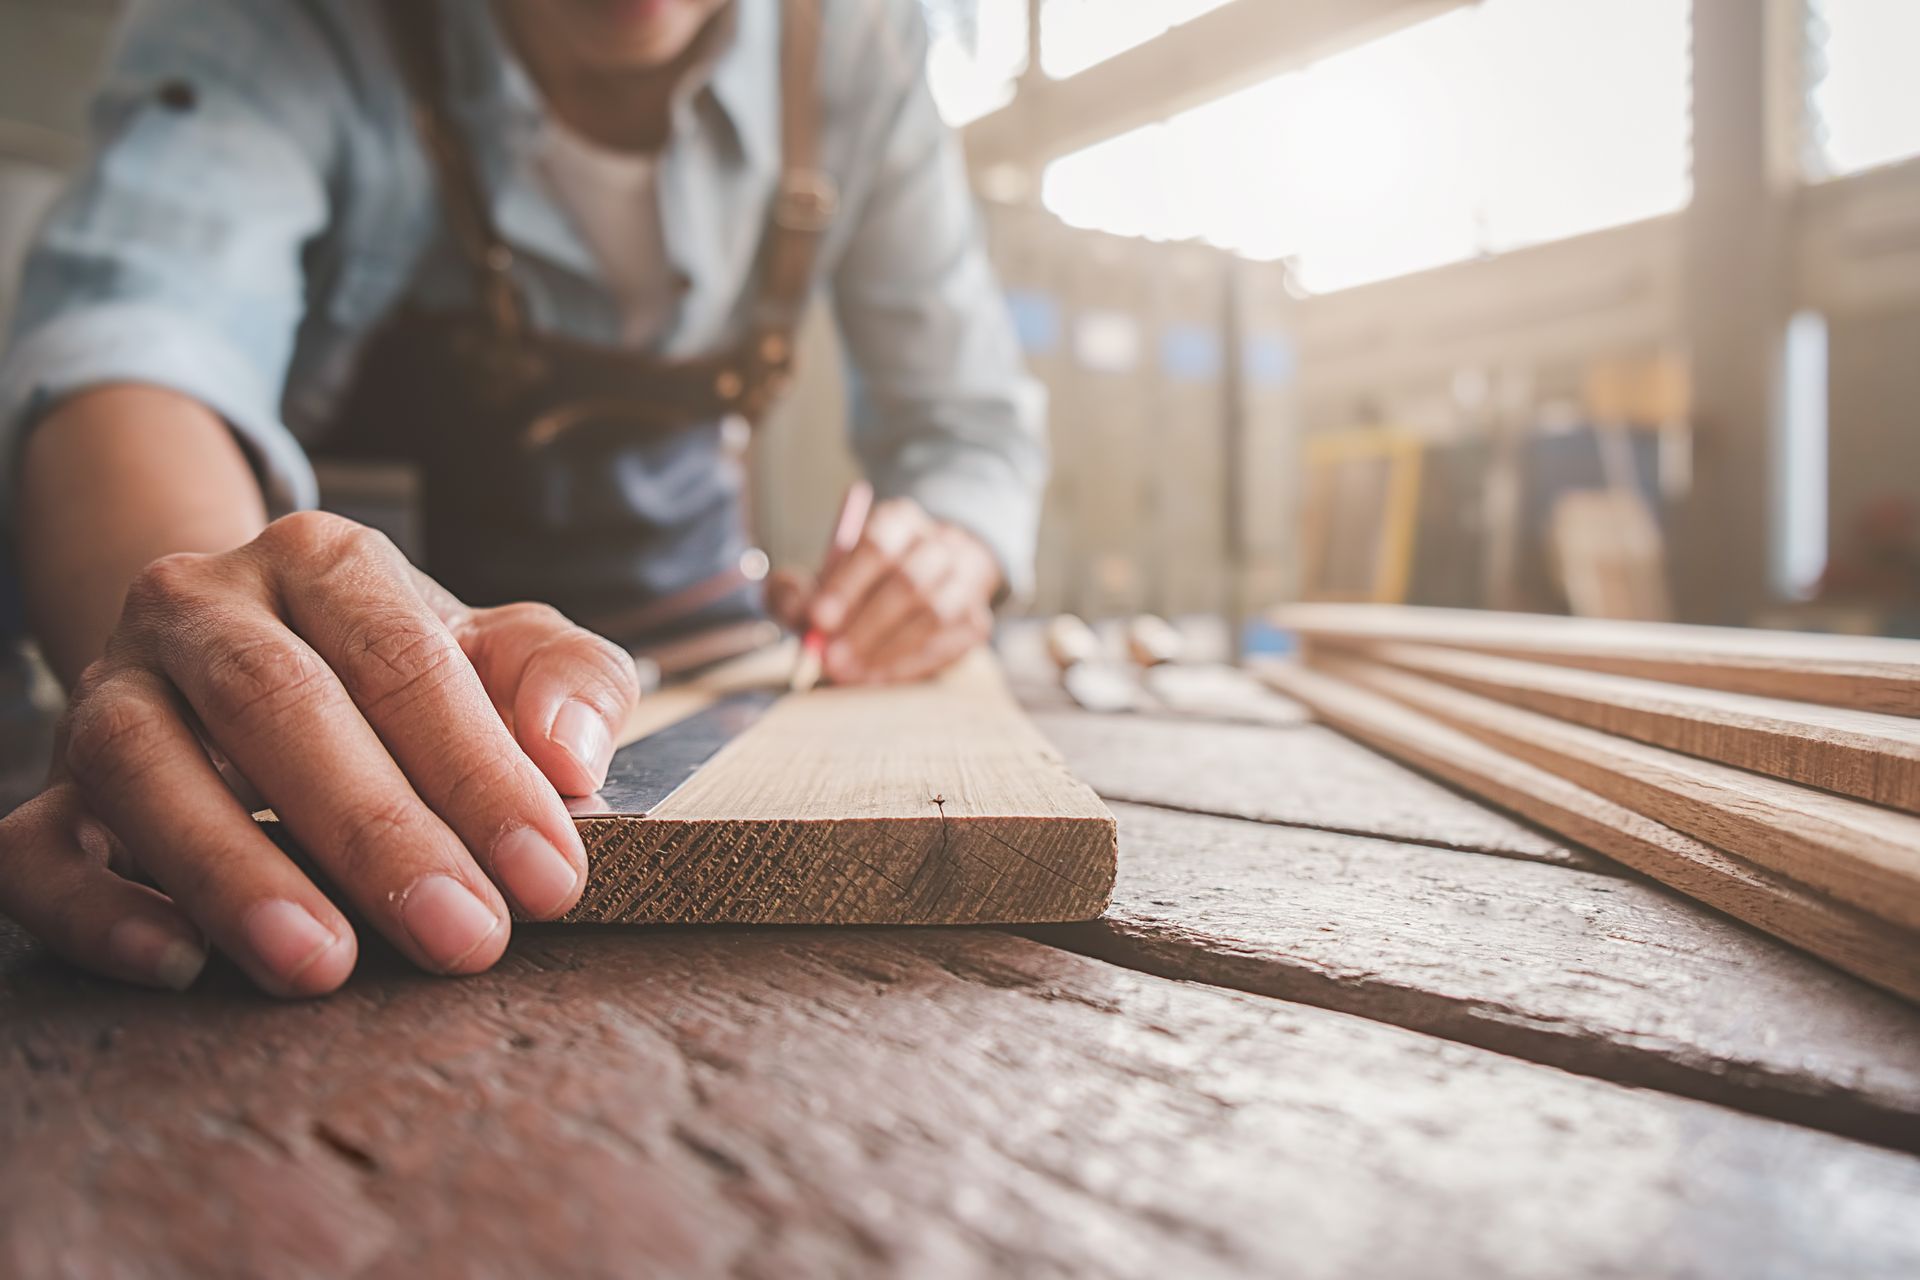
112	480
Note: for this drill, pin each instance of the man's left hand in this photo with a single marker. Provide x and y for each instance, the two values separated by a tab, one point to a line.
911	598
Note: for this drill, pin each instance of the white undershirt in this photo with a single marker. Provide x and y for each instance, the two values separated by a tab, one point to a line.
611	198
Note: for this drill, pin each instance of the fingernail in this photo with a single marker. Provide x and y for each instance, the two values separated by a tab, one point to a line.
828	614
287	938
536	873
447	921
166	957
582	733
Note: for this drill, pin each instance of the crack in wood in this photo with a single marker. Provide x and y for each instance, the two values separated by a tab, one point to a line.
1546	1040
332	1140
1598	866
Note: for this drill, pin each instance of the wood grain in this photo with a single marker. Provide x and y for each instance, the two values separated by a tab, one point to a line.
1864	673
799	1103
1601	975
1858	753
935	803
1864	855
1309	777
1852	940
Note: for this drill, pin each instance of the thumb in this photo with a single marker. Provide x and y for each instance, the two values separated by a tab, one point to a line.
565	692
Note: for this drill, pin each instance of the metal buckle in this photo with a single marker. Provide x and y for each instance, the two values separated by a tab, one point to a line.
807	201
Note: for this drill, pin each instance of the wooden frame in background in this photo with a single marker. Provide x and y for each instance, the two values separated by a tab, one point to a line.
1359	511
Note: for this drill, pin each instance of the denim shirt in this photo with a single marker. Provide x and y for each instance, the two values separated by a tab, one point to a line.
256	202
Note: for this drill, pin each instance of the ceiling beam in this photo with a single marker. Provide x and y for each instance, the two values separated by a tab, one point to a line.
1234	46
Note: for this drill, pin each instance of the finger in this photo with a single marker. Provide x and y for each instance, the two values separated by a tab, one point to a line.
898	654
568	691
536	666
141	769
273	707
960	614
946	645
978	573
891	606
891	532
788	592
55	880
408	676
927	567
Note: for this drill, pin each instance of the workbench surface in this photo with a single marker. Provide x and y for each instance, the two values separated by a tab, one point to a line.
1339	1021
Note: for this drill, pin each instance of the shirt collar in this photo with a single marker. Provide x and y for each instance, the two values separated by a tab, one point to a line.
744	79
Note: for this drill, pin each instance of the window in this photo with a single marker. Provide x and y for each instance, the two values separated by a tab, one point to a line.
1799	551
1077	34
1506	124
979	49
1864	96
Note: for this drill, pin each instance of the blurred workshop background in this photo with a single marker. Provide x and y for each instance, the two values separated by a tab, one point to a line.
1601	306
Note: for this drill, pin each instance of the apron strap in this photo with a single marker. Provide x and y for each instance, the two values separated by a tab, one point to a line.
416	29
808	197
744	381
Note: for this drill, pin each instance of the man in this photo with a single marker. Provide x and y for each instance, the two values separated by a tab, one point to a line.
541	246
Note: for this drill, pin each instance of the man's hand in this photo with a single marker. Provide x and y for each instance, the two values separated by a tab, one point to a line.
416	750
909	600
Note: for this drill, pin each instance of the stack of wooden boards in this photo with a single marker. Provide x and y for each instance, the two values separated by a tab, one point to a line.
1772	775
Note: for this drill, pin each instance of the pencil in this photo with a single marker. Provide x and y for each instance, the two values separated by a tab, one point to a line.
854	509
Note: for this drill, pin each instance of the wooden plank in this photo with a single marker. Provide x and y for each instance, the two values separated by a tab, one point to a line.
1852	940
1304	777
1858	753
1602	975
1864	855
701	1103
1861	672
935	803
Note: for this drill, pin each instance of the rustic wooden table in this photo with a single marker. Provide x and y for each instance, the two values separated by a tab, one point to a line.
1340	1021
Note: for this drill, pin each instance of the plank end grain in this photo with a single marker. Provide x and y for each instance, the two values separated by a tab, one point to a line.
936	803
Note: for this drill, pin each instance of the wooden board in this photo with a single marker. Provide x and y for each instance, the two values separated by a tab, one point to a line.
1858	753
1861	944
775	1103
1602	975
1865	673
1860	853
1309	777
935	803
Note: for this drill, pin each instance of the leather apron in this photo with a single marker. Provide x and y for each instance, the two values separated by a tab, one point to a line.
531	447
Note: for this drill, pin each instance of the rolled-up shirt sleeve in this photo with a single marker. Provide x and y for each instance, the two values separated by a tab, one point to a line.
944	410
175	257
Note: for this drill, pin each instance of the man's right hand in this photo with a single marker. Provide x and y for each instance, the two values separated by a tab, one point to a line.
416	749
